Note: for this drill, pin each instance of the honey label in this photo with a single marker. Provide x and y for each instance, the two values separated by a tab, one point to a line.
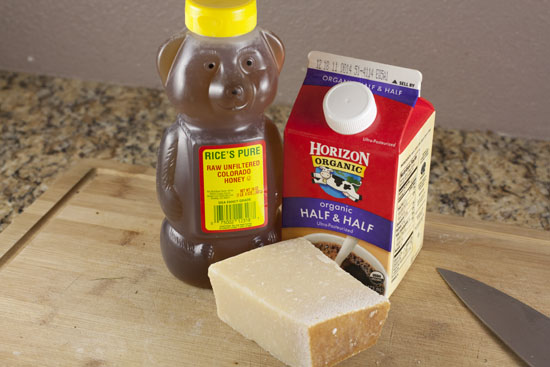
233	187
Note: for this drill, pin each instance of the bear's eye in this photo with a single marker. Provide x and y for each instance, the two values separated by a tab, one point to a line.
251	62
210	65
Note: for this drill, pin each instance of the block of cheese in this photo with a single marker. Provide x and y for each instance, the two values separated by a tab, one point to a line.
297	303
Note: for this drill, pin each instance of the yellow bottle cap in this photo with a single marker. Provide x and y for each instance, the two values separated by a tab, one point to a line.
220	18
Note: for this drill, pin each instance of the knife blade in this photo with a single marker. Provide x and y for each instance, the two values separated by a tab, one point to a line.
522	328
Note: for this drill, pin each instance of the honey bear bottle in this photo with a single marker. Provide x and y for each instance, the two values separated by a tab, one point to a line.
219	167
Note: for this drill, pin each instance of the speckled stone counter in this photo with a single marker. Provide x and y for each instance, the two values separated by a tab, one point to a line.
48	123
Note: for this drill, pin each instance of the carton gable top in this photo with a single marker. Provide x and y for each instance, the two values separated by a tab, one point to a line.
401	112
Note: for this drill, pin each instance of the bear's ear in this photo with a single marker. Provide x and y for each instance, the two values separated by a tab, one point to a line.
166	55
276	47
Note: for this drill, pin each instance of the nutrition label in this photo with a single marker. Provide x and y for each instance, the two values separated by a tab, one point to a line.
411	201
406	202
233	186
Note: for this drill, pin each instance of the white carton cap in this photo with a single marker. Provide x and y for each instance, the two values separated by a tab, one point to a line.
349	108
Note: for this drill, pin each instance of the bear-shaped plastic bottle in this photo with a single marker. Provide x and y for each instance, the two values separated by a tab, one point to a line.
219	172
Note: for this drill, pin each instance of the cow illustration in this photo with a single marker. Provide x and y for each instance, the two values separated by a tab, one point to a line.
325	177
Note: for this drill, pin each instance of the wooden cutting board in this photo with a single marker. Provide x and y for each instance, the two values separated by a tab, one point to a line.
82	283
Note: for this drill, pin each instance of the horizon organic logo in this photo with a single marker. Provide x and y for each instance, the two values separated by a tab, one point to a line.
342	153
339	159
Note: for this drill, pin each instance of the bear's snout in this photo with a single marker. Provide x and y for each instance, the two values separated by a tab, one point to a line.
235	91
231	95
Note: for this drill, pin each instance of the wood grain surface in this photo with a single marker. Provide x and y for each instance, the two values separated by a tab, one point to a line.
82	283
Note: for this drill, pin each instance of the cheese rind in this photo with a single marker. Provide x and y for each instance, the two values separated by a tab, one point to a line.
297	304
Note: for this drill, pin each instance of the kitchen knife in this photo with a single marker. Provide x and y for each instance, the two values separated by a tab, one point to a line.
522	328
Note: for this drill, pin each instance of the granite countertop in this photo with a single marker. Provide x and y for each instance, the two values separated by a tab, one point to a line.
48	123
